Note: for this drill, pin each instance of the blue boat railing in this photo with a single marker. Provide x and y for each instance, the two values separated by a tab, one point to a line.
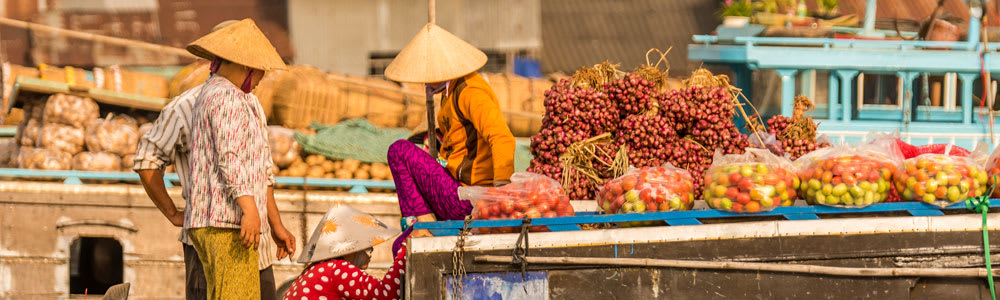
692	217
845	43
77	177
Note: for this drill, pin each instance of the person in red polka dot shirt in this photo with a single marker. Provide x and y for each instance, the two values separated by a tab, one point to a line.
339	250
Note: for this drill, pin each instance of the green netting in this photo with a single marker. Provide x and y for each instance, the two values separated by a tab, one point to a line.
361	140
352	139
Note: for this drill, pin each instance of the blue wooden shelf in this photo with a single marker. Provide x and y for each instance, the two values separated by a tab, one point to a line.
77	177
692	217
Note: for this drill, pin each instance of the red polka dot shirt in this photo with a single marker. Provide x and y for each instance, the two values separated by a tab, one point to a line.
338	279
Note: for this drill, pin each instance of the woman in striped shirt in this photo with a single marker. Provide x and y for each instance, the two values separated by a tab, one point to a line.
230	163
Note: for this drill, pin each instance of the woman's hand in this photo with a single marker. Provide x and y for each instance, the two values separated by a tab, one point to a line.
250	223
285	241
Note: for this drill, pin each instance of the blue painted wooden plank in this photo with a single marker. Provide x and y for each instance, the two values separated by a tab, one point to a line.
925	212
682	222
801	217
497	286
692	217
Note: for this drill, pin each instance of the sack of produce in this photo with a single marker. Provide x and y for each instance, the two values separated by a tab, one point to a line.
115	134
756	181
849	176
60	137
44	159
663	188
128	161
97	161
8	154
70	110
284	148
528	195
27	133
939	179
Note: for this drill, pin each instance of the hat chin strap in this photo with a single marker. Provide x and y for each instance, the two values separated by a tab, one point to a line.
246	82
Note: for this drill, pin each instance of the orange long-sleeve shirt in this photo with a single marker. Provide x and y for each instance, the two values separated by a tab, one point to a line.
485	133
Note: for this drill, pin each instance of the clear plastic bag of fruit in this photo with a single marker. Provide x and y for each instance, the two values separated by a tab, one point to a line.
8	154
528	195
649	189
940	179
992	165
849	175
756	181
284	148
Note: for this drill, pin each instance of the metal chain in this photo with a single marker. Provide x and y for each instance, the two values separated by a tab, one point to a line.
521	248
458	261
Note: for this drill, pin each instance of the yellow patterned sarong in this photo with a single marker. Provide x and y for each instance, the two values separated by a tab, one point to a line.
230	269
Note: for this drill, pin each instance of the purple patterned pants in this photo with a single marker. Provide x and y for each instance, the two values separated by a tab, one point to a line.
423	186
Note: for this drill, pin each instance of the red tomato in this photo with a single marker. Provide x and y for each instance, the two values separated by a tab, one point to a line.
552	202
735	178
652	207
550	214
742	198
516	215
522	205
732	192
507	206
745	184
495	209
751	207
533	213
543	207
737	207
628	183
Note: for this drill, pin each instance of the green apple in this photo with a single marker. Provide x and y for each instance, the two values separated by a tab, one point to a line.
963	187
828	189
911	182
908	194
766	202
954	194
727	204
839	190
815	184
856	192
820	199
632	196
831	200
929	198
932	185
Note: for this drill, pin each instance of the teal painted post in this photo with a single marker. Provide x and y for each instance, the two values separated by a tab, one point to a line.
846	78
967	80
787	90
744	82
831	103
908	99
806	82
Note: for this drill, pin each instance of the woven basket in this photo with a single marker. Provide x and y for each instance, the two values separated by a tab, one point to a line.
304	95
379	101
175	87
520	94
266	89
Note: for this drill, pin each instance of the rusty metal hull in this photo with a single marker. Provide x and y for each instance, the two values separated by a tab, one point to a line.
915	242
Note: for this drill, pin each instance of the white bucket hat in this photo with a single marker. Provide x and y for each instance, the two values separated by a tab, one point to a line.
344	230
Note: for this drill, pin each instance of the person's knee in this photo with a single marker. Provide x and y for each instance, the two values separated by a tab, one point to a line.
397	149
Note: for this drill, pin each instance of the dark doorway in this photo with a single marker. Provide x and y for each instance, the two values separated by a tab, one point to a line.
95	264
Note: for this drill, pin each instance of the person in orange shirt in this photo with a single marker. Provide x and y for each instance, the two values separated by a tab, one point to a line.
477	147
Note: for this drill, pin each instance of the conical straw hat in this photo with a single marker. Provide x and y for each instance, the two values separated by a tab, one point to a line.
435	55
344	230
241	43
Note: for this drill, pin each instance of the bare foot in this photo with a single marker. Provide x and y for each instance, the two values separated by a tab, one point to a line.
418	233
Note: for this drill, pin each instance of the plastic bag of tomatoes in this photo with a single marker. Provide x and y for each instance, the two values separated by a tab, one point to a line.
941	180
849	176
663	188
756	181
528	195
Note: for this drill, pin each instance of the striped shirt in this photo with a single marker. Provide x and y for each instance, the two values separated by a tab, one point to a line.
166	143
